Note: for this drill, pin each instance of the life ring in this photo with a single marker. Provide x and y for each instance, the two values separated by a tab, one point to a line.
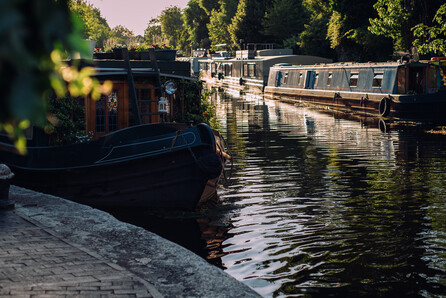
384	107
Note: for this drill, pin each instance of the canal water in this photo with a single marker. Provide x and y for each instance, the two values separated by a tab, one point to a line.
321	204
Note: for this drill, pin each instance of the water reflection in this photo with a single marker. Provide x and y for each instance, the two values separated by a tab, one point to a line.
321	204
329	206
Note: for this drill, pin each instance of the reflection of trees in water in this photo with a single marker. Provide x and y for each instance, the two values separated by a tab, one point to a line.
379	209
248	123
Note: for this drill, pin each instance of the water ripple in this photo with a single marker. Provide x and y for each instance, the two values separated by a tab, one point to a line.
330	207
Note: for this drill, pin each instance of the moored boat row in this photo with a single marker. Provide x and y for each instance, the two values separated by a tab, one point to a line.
404	89
410	90
249	70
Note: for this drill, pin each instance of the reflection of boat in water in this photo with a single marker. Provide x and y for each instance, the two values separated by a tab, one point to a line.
309	124
394	89
135	159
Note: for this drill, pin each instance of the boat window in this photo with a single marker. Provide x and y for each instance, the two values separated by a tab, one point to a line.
107	113
285	78
245	70
432	77
354	79
401	80
316	78
377	80
144	96
100	114
113	111
417	80
228	70
330	76
251	70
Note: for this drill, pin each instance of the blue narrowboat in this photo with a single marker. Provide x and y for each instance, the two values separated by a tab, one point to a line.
410	90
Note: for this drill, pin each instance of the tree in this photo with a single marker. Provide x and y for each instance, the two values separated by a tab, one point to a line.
432	39
218	29
208	5
34	36
392	21
195	20
152	34
285	19
95	26
122	35
247	22
171	24
348	32
396	18
313	39
219	22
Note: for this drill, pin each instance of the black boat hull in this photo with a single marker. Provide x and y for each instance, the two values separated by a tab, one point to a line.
124	175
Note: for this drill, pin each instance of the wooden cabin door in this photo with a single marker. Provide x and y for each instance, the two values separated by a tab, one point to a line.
109	113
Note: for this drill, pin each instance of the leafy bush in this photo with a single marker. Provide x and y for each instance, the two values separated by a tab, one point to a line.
67	121
198	107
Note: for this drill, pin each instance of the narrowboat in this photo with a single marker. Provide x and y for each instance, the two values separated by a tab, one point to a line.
135	159
403	89
248	71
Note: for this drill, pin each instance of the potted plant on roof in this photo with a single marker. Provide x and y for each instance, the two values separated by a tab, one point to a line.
164	52
143	52
100	54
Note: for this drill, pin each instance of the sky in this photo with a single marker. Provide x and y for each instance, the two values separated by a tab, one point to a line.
133	14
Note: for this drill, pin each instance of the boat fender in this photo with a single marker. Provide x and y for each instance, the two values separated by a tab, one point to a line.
364	100
384	107
210	165
241	81
336	95
220	76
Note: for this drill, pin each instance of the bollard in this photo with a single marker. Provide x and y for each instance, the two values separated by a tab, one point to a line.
5	182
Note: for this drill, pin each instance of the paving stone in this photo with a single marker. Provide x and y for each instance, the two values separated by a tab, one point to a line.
31	256
53	247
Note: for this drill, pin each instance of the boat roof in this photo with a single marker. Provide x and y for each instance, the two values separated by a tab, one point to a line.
388	64
121	71
286	58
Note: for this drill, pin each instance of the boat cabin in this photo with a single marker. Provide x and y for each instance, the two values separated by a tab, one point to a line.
386	78
138	96
249	70
117	110
389	88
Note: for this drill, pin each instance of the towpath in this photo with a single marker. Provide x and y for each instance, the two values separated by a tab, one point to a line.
53	247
